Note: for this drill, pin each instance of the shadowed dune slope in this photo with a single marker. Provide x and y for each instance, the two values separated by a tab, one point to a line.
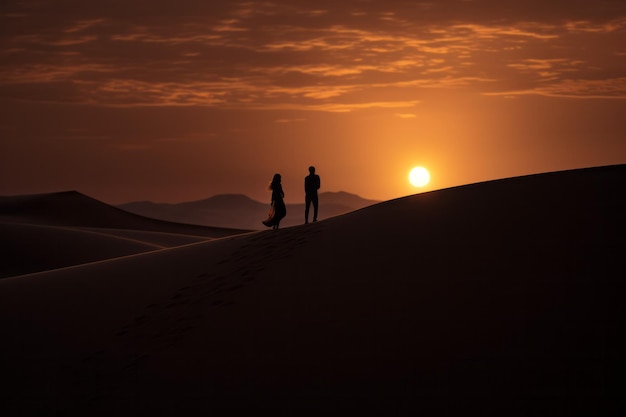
72	208
499	298
46	231
33	248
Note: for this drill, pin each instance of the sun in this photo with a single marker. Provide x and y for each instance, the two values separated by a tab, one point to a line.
419	176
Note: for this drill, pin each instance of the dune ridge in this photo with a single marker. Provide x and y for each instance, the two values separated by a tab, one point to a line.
498	298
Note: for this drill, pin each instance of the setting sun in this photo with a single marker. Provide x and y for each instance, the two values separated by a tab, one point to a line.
419	176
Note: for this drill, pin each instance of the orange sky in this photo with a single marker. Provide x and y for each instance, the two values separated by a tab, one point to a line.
180	100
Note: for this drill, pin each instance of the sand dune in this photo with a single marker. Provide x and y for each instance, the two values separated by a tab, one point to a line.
47	231
31	248
499	298
72	208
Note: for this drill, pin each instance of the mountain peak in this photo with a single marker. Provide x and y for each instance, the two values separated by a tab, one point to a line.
223	198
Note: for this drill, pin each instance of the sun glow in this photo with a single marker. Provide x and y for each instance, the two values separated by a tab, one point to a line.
419	176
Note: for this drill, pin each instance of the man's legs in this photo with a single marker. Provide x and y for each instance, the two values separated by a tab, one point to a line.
315	205
307	204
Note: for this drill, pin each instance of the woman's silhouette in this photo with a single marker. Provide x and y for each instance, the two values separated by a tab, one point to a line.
278	205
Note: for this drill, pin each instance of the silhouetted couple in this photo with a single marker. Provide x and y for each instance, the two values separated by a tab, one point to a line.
278	210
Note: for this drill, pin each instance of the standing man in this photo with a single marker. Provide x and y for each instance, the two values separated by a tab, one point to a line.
311	185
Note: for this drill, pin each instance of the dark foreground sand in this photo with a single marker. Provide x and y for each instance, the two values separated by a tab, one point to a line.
502	298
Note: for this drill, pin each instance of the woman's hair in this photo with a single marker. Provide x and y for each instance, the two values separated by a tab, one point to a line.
275	181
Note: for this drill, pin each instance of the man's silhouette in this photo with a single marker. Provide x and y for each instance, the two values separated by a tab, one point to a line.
311	185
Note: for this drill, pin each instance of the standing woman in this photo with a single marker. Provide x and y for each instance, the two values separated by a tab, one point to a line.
278	204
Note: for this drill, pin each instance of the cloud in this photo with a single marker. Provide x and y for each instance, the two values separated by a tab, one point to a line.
584	26
82	25
608	89
285	121
524	30
342	107
316	55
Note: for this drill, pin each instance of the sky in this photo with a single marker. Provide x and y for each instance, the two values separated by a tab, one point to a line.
170	101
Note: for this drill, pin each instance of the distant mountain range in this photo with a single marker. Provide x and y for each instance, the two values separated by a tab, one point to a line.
241	212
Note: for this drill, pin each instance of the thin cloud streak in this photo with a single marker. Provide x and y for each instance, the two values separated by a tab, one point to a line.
612	89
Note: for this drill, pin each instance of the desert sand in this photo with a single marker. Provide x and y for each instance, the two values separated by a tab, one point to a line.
47	231
502	298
